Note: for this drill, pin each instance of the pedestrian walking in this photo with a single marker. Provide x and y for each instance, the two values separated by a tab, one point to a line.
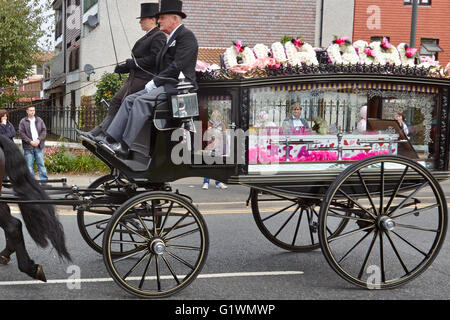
219	185
32	131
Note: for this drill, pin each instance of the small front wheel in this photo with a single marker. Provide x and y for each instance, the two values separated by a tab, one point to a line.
170	244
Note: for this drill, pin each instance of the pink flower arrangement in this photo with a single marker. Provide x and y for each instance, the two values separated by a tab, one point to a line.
410	52
369	52
385	44
258	155
298	43
341	41
239	46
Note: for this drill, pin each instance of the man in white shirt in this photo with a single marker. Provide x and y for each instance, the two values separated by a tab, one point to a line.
295	119
32	131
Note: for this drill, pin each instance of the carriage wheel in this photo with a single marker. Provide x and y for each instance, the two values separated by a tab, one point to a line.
288	222
396	228
173	243
92	223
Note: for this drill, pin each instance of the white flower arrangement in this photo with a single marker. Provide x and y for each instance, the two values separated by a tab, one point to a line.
392	56
230	57
248	56
379	58
299	52
238	54
349	55
341	51
261	50
278	52
334	53
364	54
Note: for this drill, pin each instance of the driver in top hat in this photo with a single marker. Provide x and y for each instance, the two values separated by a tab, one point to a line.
178	55
141	66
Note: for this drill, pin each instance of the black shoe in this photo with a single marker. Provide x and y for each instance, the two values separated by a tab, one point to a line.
122	152
101	138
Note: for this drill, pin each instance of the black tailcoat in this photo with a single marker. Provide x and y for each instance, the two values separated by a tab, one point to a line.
179	54
145	51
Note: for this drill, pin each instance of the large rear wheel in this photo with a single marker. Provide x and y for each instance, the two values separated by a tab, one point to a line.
396	228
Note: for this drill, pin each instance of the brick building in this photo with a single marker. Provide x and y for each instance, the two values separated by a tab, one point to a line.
216	23
392	19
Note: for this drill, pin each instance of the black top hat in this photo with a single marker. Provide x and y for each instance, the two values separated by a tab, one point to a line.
172	7
149	10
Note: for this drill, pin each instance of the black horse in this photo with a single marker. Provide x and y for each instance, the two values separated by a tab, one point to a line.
40	219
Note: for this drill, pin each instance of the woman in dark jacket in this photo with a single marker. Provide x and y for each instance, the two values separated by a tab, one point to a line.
6	127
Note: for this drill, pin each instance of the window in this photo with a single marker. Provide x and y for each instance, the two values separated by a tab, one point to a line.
379	38
429	47
87	4
420	2
74	59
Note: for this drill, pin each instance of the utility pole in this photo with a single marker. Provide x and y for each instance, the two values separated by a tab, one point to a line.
412	43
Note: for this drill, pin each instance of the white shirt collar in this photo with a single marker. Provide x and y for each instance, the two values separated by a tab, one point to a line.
171	34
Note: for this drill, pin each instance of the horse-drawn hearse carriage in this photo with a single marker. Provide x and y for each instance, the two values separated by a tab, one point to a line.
352	182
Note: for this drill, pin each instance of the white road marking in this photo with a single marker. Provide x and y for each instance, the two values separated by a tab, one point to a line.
201	276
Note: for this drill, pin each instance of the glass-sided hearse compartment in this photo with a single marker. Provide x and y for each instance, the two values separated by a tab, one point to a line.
320	127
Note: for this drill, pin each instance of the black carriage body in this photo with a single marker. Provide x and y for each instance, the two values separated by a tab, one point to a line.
424	99
334	93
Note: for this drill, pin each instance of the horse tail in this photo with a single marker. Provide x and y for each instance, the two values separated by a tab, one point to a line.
40	218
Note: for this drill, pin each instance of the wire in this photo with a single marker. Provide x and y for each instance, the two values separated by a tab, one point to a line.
54	78
45	101
123	28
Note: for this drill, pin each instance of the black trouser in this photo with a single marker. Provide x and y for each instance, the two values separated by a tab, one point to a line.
130	86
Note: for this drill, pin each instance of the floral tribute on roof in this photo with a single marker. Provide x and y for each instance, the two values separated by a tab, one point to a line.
292	55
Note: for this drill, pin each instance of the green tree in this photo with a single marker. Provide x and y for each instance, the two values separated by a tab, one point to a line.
108	86
21	27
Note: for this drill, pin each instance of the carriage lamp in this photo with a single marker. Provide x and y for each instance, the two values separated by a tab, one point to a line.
185	104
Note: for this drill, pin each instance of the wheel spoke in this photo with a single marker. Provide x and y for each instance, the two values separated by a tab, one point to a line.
356	203
416	211
187	264
298	226
132	231
175	225
278	212
331	239
337	215
96	222
98	235
144	225
396	190
383	271
408	226
141	283
367	192
167	215
127	256
409	243
158	276
356	244
171	270
135	265
176	246
309	215
363	267
407	198
286	222
397	253
187	233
